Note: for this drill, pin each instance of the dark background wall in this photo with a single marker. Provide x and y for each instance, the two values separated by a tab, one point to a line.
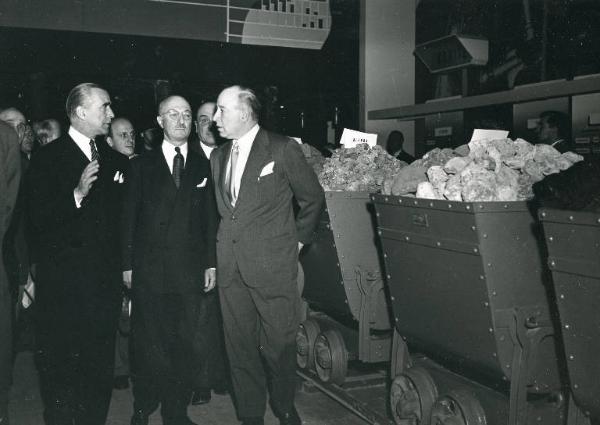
39	67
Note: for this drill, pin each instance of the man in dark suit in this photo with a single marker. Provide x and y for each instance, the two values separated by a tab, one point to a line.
170	223
258	175
10	175
74	188
209	344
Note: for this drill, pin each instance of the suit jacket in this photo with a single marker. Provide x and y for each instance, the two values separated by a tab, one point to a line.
260	234
77	248
169	233
10	176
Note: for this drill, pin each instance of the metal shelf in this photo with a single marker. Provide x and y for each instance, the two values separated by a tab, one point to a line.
527	93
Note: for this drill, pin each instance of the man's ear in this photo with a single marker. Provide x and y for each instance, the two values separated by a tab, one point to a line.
159	120
80	112
109	141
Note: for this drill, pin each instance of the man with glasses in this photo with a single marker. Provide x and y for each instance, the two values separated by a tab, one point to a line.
121	137
169	243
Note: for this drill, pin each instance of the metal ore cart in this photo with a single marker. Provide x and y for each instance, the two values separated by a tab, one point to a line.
349	315
466	282
573	242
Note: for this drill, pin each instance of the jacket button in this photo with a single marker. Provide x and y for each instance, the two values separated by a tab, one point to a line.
234	241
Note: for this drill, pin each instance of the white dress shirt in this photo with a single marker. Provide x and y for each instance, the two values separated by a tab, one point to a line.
82	141
207	149
244	145
168	151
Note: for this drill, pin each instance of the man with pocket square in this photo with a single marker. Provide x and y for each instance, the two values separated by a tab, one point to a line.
258	175
169	229
74	204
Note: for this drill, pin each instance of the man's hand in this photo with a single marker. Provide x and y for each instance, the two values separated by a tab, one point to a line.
88	177
210	279
127	278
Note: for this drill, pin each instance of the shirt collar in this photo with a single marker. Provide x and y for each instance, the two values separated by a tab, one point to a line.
169	149
82	141
248	138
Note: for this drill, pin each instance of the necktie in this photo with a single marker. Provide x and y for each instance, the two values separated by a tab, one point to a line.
232	189
177	167
95	155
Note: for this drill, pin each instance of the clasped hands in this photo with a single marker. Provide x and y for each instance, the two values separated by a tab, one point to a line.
210	279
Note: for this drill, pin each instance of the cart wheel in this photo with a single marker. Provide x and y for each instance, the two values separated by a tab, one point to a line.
331	357
305	343
457	407
412	395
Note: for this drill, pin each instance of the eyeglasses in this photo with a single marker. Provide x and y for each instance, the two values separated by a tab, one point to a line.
204	120
174	115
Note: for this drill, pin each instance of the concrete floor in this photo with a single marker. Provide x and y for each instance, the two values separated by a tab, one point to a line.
25	408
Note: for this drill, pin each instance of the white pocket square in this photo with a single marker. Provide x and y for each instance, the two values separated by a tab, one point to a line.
267	169
202	183
119	178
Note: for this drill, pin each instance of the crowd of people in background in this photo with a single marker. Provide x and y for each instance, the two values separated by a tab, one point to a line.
117	247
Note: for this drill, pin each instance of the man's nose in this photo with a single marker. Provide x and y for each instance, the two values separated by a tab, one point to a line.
111	114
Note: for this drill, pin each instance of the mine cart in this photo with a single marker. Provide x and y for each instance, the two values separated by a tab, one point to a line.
573	243
468	293
349	316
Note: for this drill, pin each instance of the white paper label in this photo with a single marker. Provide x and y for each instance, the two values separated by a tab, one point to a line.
351	138
479	134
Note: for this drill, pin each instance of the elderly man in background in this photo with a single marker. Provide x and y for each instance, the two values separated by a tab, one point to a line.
47	131
121	137
258	175
74	193
10	175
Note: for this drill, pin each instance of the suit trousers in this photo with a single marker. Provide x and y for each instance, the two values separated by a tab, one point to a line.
6	355
260	325
75	353
162	336
210	347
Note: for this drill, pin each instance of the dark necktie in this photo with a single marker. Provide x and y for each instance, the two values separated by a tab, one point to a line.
95	155
177	167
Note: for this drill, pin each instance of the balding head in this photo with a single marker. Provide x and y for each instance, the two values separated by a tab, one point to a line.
238	110
175	118
13	117
121	136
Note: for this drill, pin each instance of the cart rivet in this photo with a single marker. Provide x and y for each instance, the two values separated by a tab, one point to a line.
384	255
392	298
389	276
575	386
481	277
494	355
562	296
396	321
386	199
337	235
490	330
494	293
486	304
377	214
598	220
480	206
485	235
346	301
416	202
475	250
341	256
468	207
449	206
544	214
337	264
399	200
379	232
502	338
571	217
438	243
407	238
552	263
550	239
567	326
489	264
505	206
504	378
473	228
571	357
508	366
539	419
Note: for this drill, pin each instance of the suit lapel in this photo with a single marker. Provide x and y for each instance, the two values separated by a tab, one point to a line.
258	155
